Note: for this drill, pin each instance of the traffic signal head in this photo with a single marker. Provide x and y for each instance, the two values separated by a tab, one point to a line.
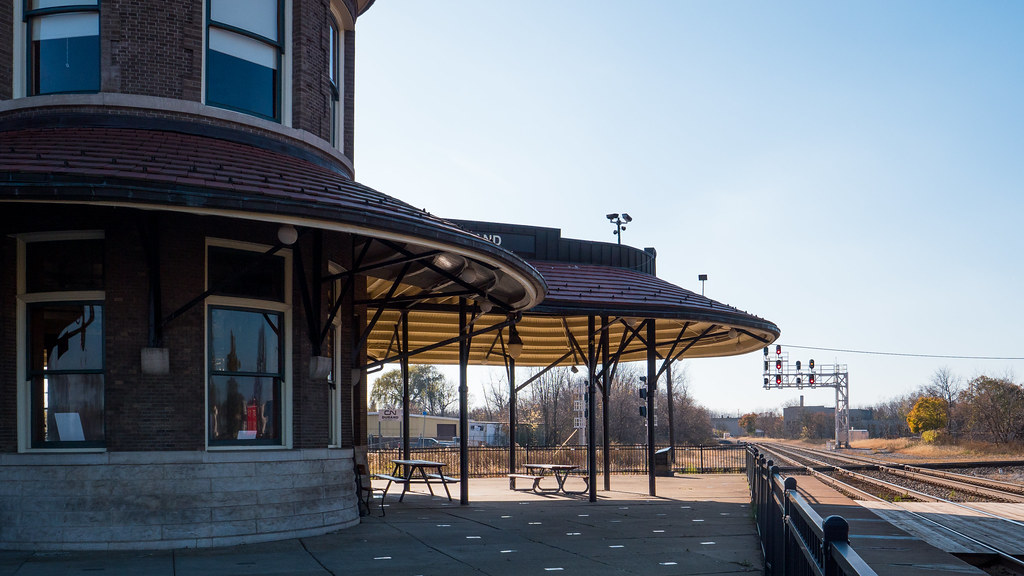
766	382
812	363
778	349
778	379
810	379
778	364
643	411
765	365
643	393
765	350
797	364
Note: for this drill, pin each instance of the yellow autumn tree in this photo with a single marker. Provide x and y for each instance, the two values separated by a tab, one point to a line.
928	413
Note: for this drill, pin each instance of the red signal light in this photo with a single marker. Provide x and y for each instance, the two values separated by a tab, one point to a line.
810	379
778	349
778	379
778	364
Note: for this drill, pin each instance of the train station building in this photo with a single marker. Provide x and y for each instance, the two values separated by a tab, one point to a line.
194	285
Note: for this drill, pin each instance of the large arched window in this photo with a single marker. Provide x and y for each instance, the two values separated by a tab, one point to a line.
243	56
63	46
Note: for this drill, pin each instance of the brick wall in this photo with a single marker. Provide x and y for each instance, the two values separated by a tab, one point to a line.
6	47
131	61
8	342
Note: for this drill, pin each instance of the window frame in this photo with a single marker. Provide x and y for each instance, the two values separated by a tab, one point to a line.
337	420
281	84
255	305
335	53
24	301
28	14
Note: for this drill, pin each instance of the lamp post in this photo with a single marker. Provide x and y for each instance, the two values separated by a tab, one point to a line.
619	222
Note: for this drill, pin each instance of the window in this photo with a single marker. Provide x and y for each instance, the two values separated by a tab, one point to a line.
243	57
246	347
246	375
330	349
333	57
63	46
63	334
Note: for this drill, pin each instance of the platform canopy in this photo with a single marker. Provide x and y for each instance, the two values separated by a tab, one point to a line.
556	331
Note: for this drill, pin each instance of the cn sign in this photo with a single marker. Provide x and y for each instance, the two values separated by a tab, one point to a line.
390	414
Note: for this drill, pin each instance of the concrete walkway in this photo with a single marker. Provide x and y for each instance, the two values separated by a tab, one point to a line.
696	525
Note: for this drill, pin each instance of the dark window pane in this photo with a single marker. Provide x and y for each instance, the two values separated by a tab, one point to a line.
64	265
65	337
246	274
65	53
67	408
245	341
239	84
245	408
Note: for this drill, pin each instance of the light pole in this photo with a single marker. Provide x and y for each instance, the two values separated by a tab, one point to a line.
619	222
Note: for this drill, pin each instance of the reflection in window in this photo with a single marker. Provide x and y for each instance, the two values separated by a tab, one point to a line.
244	56
66	370
64	46
245	377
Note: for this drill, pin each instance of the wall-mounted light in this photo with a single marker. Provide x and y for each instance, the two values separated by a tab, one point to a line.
515	343
287	234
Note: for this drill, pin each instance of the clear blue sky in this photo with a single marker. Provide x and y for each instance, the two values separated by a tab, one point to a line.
851	171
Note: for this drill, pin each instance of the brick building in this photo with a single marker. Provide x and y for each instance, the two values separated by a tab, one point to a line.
193	285
186	267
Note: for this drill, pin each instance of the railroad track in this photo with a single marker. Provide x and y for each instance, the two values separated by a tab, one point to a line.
873	479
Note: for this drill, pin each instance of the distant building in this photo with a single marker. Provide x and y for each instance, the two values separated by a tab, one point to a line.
728	424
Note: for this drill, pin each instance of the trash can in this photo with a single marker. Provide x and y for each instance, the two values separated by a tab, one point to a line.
662	466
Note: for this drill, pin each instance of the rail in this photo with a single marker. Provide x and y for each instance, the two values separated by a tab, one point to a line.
794	538
492	461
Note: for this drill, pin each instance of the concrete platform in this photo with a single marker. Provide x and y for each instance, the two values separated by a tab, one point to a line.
698	524
888	549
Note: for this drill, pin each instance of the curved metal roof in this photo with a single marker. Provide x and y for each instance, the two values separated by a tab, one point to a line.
688	325
189	172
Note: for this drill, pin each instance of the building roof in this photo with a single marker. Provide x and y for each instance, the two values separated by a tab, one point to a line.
175	170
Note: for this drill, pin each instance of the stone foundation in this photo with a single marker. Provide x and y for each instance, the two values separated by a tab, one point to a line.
151	500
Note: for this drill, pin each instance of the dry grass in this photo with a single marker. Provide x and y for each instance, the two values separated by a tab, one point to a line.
913	448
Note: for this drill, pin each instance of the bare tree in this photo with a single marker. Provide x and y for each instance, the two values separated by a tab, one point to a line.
993	410
948	386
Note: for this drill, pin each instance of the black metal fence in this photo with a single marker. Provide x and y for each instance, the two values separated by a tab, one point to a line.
492	461
794	538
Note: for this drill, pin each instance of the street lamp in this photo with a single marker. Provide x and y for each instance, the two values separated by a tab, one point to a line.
619	222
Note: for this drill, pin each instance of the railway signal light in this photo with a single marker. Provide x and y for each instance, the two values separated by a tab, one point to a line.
643	393
765	381
778	349
798	365
766	351
765	365
778	364
810	379
812	363
778	379
643	411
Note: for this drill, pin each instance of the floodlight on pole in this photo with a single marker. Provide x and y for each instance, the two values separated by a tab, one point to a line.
620	222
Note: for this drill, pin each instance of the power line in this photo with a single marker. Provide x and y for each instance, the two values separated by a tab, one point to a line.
876	353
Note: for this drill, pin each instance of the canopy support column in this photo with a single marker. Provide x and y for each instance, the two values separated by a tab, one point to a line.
463	405
591	409
405	385
512	416
671	414
606	382
652	388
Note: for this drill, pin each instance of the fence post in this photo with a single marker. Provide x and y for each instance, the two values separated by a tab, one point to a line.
787	535
702	459
834	529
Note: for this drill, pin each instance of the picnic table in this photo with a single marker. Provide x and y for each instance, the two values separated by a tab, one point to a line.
560	472
405	473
